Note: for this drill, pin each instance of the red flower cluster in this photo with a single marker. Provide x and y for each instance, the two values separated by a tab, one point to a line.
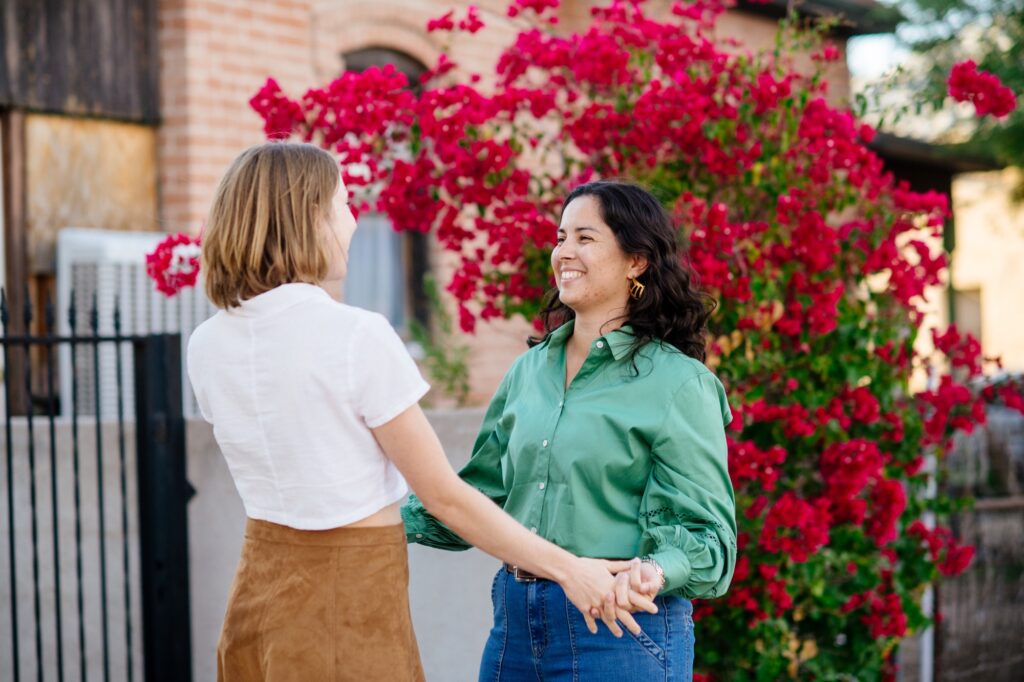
886	617
747	462
847	468
852	406
796	527
769	595
982	89
949	407
887	501
962	351
950	557
540	7
1009	393
446	22
718	246
174	264
794	418
281	116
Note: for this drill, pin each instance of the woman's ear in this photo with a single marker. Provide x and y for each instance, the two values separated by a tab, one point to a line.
638	265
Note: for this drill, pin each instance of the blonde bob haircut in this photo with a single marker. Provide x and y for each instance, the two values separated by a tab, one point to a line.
265	227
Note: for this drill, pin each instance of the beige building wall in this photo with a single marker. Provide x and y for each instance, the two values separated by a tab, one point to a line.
988	263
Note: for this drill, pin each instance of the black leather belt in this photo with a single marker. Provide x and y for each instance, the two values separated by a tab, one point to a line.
523	576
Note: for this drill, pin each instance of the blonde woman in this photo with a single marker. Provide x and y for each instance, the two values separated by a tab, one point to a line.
314	405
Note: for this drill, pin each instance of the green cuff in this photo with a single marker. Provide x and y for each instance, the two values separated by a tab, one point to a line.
415	524
676	567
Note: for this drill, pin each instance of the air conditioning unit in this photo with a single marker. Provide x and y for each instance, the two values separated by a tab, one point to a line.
104	268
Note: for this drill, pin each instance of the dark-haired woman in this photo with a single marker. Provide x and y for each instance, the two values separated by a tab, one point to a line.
607	438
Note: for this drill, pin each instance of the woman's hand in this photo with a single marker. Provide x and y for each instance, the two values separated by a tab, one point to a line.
637	586
607	608
587	585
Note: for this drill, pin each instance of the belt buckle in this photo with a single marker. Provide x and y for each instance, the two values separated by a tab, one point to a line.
520	578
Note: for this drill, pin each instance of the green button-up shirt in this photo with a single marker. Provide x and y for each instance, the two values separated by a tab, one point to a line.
628	461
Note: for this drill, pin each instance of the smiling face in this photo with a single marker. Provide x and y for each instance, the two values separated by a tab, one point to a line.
591	269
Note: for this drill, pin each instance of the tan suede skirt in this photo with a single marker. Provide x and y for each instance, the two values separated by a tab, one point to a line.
328	605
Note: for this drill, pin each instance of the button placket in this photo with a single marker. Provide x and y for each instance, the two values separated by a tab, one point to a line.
545	445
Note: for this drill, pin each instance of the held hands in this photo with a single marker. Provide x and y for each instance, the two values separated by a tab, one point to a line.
636	585
612	591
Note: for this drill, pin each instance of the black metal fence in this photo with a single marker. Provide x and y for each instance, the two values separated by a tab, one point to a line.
97	533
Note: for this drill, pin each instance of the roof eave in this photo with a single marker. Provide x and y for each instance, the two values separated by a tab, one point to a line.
857	17
949	158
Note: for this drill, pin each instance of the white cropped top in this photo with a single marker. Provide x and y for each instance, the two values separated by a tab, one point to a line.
292	382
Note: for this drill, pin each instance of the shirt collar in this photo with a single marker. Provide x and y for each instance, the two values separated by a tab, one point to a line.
279	298
619	341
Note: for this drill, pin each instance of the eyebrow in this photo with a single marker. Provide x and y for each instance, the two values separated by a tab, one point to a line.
580	228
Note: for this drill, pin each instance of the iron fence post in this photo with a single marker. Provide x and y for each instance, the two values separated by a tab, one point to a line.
164	492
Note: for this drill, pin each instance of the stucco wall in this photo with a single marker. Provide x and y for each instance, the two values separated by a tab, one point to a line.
988	258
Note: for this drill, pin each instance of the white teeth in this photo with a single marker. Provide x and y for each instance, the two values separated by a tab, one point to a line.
571	274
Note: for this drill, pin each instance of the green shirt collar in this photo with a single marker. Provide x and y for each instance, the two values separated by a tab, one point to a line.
619	341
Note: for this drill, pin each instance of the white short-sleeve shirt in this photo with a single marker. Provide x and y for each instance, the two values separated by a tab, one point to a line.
292	382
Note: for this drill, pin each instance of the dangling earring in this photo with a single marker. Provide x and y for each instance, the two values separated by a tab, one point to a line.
636	289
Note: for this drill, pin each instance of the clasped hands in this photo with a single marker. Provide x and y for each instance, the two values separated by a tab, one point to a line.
634	586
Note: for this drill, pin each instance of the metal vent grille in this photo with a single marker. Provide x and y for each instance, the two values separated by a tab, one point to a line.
104	269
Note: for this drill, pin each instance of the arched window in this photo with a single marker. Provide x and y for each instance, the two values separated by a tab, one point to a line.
386	268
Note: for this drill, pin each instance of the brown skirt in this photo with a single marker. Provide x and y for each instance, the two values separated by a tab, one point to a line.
319	605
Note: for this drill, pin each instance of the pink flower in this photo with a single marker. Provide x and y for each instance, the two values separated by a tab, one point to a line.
174	263
983	89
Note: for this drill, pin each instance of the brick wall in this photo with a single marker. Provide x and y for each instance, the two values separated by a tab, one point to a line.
214	55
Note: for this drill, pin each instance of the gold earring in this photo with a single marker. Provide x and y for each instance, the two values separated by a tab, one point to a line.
636	289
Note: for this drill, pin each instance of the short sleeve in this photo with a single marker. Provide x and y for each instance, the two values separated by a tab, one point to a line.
385	378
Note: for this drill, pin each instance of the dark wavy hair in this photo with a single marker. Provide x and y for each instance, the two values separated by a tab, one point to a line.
672	309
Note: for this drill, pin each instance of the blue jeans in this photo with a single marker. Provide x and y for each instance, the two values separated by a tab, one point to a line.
539	635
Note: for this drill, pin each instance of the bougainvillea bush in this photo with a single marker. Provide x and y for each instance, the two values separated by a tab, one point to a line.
819	258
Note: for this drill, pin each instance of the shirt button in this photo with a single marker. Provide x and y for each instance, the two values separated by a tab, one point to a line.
600	344
419	536
541	486
544	444
533	529
561	402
